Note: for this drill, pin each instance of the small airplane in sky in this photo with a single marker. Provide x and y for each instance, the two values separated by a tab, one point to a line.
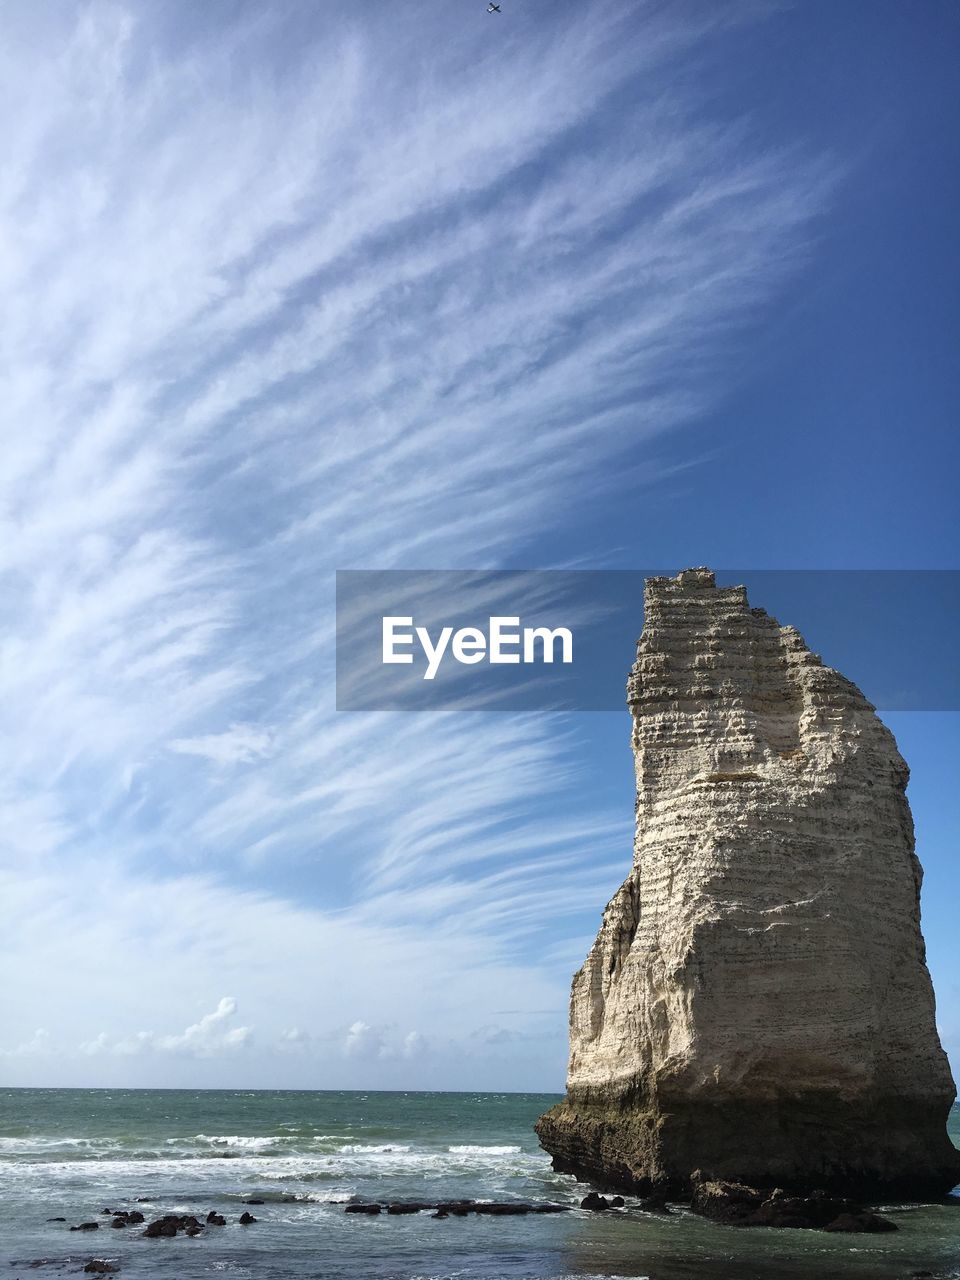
493	8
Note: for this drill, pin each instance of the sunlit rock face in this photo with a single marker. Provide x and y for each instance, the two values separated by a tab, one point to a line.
757	1004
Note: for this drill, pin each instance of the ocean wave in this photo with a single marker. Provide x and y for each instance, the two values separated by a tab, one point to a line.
472	1149
359	1148
241	1170
30	1144
206	1146
337	1194
237	1140
30	1140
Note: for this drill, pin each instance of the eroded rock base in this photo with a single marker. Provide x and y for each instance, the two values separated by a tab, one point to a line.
894	1148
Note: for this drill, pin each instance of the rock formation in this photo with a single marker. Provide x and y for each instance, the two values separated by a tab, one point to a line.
757	1005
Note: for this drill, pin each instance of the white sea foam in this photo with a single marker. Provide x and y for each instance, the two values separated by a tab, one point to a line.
30	1144
236	1140
359	1148
471	1149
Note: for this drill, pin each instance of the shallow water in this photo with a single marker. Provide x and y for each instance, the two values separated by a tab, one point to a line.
72	1153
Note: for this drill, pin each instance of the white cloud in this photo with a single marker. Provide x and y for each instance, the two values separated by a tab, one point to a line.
40	1044
210	1037
383	1042
240	744
364	1041
99	1044
295	1040
497	1035
280	305
414	1045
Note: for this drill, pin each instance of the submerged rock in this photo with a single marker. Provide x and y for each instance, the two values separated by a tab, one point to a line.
736	1204
595	1202
171	1223
161	1227
456	1208
728	1202
655	1203
861	1221
125	1217
757	1003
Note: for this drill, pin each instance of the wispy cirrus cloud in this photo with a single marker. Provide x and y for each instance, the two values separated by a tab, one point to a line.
239	744
282	301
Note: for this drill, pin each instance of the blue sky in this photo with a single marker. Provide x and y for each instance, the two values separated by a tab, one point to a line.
297	288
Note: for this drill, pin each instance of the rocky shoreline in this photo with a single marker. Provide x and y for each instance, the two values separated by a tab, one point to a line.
728	1203
736	1204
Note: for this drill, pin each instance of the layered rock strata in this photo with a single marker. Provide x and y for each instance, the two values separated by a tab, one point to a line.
757	1005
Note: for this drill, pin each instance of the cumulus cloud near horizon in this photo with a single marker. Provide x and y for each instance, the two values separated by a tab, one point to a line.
365	1041
209	1037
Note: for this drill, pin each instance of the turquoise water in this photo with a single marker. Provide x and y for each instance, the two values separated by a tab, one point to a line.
71	1153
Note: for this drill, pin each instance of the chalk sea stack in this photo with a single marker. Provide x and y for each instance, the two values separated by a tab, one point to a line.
757	1004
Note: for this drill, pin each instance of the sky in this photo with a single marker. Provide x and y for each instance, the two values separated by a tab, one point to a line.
297	288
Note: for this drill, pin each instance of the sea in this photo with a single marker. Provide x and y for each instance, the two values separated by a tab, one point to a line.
69	1154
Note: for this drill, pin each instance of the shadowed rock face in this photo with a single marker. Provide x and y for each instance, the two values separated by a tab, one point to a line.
757	1004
